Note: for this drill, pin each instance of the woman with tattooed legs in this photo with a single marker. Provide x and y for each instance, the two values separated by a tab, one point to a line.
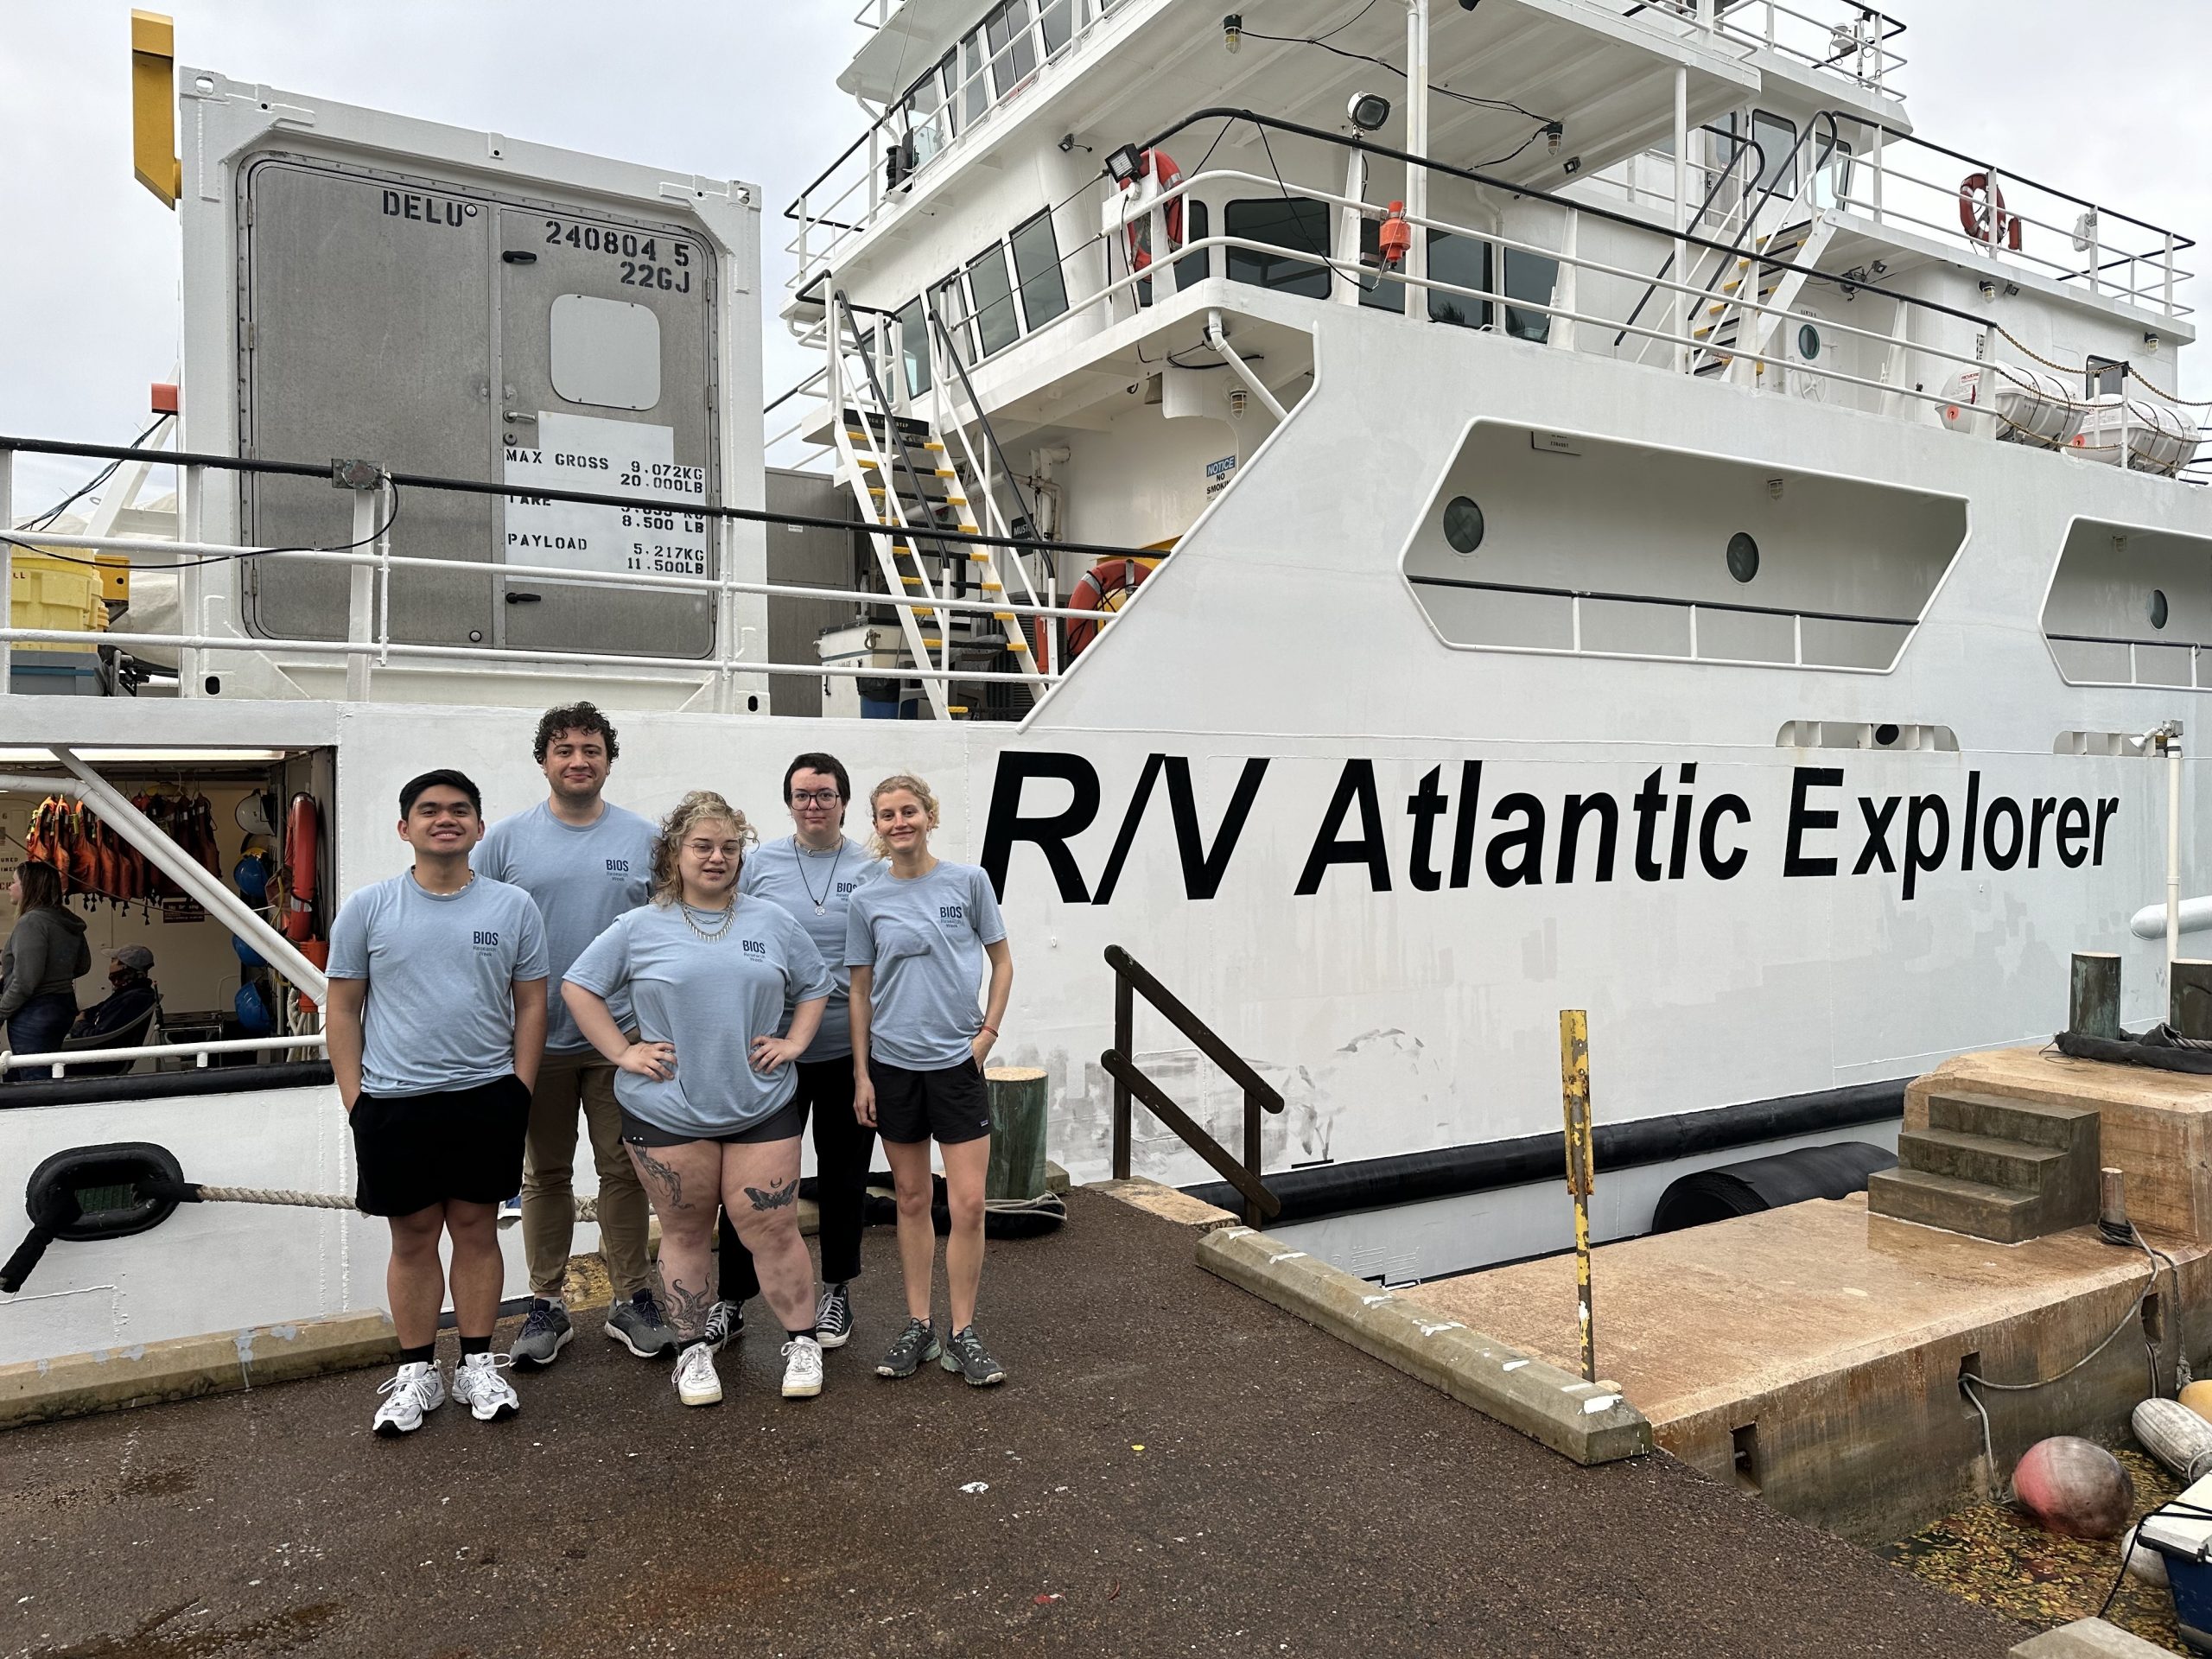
706	1093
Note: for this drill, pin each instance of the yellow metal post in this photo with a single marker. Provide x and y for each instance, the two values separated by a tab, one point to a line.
153	106
1582	1167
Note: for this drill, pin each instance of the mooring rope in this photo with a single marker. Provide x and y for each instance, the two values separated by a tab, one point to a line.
587	1208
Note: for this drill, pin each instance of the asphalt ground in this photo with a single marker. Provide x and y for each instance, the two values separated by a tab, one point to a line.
1174	1467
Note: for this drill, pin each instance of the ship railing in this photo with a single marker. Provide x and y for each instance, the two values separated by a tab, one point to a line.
2136	646
1090	266
1905	181
1122	296
1844	39
370	643
955	97
1131	1083
57	1065
1576	598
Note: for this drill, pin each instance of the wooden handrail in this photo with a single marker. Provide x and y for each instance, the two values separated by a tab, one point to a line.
1201	1035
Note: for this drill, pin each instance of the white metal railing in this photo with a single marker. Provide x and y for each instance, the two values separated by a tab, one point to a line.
958	96
1095	289
370	643
1844	38
59	1063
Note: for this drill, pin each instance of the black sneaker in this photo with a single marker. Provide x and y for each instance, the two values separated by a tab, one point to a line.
833	1319
916	1347
725	1320
965	1355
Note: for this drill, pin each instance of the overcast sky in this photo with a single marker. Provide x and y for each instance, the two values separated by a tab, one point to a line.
2105	99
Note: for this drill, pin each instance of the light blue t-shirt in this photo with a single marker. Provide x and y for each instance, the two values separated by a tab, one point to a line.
710	998
583	878
441	970
817	889
924	939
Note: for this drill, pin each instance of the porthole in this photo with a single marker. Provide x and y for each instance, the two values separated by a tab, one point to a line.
1885	737
1808	341
2157	608
1742	557
1463	525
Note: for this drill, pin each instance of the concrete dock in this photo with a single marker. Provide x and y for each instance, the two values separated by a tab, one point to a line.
1812	1353
1174	1467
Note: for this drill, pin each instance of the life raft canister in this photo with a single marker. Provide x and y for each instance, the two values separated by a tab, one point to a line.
1105	587
1982	215
1159	167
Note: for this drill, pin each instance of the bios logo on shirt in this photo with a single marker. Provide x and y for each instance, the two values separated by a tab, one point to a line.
953	913
486	939
617	867
756	948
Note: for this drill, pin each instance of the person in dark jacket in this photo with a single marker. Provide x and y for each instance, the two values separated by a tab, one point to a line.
130	973
45	955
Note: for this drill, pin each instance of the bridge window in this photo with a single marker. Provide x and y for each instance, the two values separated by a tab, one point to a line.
1778	142
1529	276
996	326
1296	223
1037	268
951	302
914	346
1014	48
1463	260
1194	267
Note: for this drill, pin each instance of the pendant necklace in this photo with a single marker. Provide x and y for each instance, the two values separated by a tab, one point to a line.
821	904
729	917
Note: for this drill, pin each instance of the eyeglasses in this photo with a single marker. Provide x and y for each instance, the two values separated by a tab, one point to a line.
708	848
815	797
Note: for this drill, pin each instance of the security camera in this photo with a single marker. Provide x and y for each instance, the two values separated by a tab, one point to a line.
1368	110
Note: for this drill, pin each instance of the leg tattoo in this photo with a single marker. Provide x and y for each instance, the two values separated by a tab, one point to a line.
687	1307
670	1182
774	1197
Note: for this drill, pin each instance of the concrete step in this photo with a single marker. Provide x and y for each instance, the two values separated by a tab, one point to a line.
1995	1116
1957	1206
2017	1165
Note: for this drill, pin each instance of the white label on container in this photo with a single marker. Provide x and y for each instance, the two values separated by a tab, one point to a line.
602	457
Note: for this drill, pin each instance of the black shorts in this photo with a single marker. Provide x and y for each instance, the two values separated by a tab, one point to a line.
948	1107
460	1144
784	1124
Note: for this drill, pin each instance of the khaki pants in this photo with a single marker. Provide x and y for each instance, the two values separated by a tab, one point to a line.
566	1084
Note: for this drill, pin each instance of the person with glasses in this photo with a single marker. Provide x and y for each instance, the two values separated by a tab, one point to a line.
812	874
727	992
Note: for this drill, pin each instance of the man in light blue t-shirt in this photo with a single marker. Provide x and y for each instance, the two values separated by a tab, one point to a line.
586	862
437	1017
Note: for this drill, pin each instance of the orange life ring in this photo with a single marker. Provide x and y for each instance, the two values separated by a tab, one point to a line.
1105	587
1982	215
302	836
1159	165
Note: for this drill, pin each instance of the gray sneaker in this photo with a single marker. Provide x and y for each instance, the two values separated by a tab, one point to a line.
916	1347
637	1325
965	1355
543	1335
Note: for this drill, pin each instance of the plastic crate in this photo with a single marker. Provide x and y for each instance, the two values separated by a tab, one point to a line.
50	593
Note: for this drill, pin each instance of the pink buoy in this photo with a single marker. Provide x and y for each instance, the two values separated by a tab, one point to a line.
2075	1487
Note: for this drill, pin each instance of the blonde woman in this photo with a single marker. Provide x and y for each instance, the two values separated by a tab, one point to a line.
916	940
706	1092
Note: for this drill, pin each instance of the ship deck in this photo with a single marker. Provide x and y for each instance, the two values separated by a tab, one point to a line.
1175	1466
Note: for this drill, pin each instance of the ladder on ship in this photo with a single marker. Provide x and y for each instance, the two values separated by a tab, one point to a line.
1733	323
912	475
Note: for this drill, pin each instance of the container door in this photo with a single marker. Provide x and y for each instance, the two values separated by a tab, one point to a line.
363	338
606	360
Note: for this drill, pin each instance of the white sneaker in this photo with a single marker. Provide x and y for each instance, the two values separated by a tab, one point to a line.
478	1385
417	1389
802	1369
696	1381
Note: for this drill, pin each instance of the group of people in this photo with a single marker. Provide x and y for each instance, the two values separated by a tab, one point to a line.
45	954
694	997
